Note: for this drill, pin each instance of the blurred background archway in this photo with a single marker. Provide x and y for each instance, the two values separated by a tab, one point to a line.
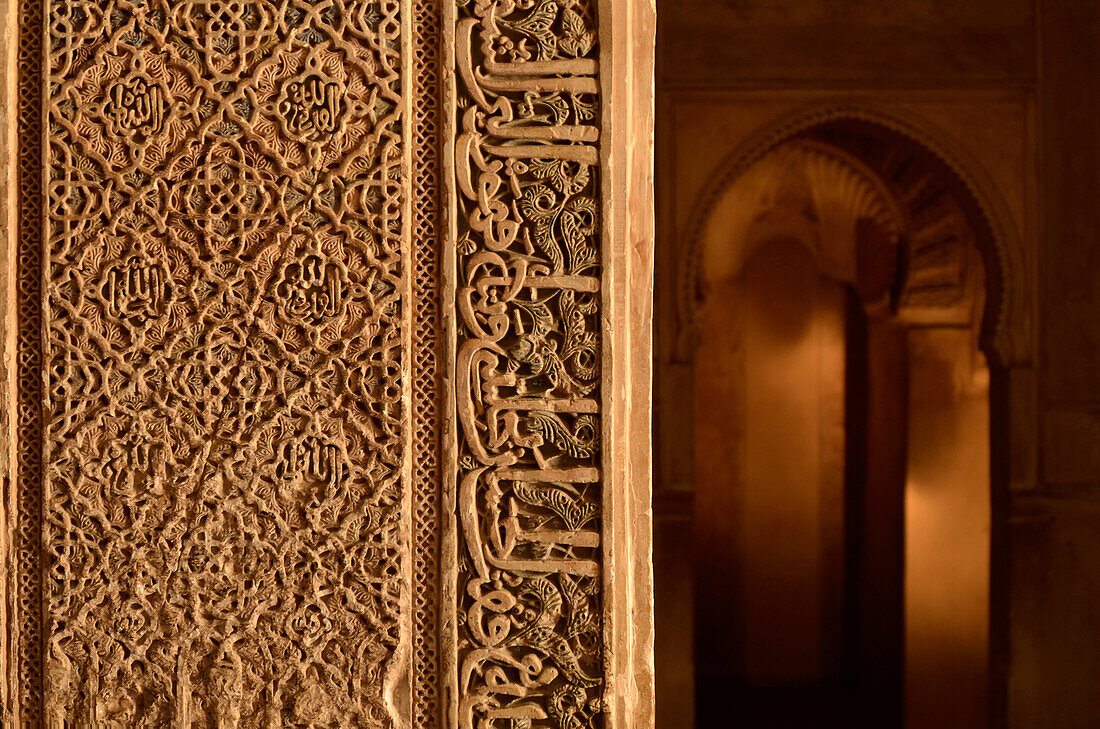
842	466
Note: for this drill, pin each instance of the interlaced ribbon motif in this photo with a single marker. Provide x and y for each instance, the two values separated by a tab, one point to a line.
226	422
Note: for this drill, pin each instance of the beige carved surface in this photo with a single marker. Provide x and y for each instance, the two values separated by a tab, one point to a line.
250	381
530	642
224	354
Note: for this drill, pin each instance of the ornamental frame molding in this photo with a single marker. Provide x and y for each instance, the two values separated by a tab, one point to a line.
1009	325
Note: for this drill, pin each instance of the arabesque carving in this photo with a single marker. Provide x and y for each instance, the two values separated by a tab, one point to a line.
258	410
225	356
936	278
527	379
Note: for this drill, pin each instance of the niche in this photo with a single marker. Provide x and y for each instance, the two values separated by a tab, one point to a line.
842	442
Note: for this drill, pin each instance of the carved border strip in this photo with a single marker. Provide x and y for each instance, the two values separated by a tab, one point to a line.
426	129
507	656
546	594
28	617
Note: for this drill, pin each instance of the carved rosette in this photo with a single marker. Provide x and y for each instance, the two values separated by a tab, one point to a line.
528	371
224	424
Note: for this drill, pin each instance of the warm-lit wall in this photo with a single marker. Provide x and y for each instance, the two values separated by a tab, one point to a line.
770	472
793	511
770	469
1013	80
861	42
947	532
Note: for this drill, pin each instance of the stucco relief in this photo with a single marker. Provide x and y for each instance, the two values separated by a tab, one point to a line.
253	399
225	419
937	273
528	584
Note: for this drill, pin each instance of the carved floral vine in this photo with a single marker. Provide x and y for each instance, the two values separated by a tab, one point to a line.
530	647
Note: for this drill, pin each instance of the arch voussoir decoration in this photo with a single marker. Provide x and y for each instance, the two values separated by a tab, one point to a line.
1007	327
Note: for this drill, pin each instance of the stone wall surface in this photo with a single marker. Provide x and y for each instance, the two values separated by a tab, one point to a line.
326	394
1056	577
851	41
1012	84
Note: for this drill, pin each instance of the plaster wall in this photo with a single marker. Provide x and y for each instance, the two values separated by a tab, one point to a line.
857	41
1013	83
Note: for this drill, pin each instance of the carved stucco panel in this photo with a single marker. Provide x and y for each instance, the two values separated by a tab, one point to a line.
527	248
224	345
309	293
